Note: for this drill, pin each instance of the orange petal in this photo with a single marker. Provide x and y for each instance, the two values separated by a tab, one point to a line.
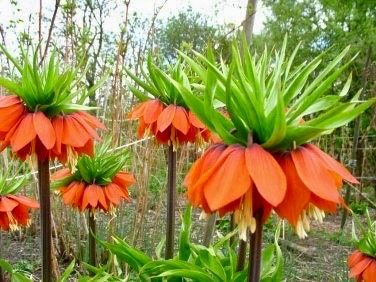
138	111
180	120
74	134
44	130
332	164
266	173
90	197
87	149
314	175
80	189
195	121
229	183
7	205
205	162
354	258
4	221
21	214
9	100
124	179
69	193
112	194
322	204
358	268
61	174
30	203
91	120
199	183
58	124
87	127
297	194
101	197
10	116
24	133
152	111
369	275
121	192
166	117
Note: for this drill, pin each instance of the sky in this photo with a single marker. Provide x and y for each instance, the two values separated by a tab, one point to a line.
228	12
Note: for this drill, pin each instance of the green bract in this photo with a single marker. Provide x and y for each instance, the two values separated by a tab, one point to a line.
367	243
268	97
9	185
158	86
47	88
98	169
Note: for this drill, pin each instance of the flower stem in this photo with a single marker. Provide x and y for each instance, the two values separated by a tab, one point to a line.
255	250
209	229
92	233
45	218
241	255
171	203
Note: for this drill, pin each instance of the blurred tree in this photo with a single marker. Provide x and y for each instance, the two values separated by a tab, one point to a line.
187	30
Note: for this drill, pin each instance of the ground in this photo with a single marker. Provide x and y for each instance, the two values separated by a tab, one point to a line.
320	257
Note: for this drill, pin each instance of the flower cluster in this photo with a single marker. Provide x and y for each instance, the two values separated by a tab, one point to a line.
30	133
39	117
266	161
14	209
162	112
97	182
170	124
299	185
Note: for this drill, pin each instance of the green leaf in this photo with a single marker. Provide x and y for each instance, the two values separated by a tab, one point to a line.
67	272
185	233
196	275
6	266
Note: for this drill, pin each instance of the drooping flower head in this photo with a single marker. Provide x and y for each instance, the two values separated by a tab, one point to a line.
43	114
362	262
266	161
14	209
98	182
163	112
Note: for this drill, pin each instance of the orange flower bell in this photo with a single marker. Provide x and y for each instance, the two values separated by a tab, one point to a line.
362	267
313	180
85	196
170	124
238	179
14	211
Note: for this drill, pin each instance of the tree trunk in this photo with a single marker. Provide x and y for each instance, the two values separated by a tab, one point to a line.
249	20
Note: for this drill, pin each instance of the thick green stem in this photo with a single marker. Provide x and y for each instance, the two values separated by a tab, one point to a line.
45	219
241	255
255	250
171	203
92	233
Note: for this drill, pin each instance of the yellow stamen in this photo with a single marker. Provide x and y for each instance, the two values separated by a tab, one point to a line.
203	216
243	216
303	224
72	159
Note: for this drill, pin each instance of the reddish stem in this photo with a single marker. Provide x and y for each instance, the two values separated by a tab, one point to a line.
45	218
255	250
